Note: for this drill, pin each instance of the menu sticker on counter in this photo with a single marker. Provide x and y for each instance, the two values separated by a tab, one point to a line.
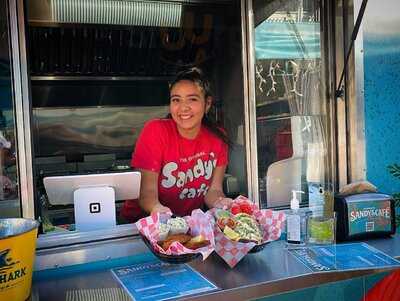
352	256
156	280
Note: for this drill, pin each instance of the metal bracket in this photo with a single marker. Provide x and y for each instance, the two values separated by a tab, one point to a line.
339	93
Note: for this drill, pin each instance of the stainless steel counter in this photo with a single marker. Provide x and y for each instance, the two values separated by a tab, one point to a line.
271	271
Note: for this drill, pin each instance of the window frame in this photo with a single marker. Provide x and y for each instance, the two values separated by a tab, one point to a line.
334	124
24	139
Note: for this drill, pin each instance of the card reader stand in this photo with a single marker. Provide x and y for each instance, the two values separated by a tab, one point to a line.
93	196
94	208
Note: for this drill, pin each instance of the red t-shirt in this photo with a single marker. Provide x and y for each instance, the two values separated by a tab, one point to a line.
387	289
184	166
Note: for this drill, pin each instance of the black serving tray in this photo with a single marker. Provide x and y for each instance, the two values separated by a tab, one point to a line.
259	247
170	258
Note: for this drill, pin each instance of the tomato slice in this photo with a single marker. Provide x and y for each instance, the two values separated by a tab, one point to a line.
246	208
235	209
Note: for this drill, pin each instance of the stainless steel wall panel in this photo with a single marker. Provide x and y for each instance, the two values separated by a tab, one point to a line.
357	156
61	131
341	134
328	52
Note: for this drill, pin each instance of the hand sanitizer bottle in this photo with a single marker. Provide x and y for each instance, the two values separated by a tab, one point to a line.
296	224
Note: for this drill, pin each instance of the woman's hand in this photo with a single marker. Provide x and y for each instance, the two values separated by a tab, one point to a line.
223	202
158	208
148	199
215	197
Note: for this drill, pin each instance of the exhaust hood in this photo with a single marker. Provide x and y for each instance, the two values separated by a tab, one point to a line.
110	12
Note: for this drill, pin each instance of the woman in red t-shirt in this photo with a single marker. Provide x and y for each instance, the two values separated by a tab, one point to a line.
183	157
387	289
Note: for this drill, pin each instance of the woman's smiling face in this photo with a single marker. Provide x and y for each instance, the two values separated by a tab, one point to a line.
188	105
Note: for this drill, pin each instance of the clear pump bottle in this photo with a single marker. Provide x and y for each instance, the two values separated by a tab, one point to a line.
296	224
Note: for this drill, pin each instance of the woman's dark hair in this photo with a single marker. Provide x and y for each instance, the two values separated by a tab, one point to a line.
196	75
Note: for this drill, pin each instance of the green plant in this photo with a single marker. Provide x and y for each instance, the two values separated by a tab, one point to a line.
394	170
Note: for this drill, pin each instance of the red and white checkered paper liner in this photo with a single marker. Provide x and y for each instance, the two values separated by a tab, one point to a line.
231	251
198	222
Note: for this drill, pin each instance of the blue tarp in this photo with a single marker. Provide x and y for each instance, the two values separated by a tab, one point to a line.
287	40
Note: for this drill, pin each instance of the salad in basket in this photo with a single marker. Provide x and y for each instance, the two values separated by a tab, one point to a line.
244	228
238	223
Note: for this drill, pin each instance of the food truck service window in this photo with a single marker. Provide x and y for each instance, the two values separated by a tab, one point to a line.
97	77
291	112
91	80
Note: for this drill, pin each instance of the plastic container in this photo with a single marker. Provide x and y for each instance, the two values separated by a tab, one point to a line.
321	229
17	253
296	224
